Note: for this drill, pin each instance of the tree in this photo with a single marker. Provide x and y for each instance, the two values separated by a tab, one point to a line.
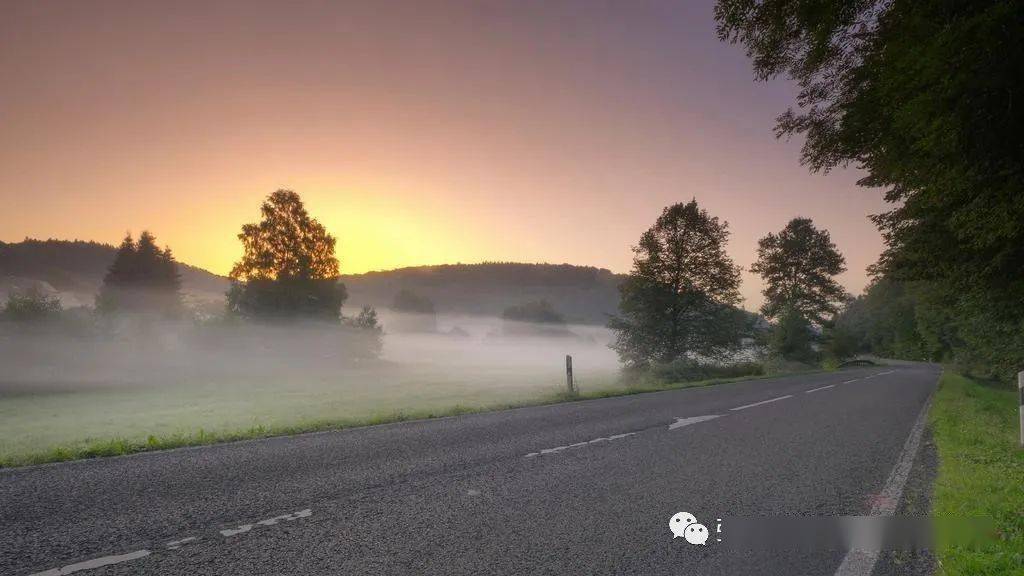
418	313
369	329
409	301
536	318
679	299
32	305
142	278
799	265
288	268
924	96
791	337
537	312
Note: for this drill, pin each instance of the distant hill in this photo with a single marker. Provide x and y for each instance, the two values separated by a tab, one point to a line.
76	268
580	293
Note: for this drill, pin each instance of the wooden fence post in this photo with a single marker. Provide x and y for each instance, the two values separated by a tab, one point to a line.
568	375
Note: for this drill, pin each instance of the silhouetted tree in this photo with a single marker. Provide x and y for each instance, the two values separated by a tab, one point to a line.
288	268
679	299
409	301
418	313
366	319
799	265
370	330
142	278
540	312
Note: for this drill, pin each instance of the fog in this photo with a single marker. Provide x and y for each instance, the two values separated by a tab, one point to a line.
78	380
494	343
135	351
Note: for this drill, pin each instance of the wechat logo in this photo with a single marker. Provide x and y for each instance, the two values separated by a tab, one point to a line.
684	525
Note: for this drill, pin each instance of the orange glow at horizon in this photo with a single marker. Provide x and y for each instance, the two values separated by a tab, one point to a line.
468	132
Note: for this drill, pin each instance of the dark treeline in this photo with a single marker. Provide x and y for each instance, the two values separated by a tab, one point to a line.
920	320
924	97
288	276
79	266
582	294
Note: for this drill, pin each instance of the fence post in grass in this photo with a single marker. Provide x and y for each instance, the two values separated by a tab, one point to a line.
1020	401
568	375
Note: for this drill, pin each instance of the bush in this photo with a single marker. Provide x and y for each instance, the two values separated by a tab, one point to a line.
539	312
685	370
33	305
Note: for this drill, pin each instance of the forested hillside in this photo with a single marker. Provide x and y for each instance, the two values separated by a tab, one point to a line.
75	268
582	294
579	293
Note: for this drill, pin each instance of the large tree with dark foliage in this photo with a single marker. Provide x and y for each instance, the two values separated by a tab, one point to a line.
288	269
142	279
926	97
678	302
799	265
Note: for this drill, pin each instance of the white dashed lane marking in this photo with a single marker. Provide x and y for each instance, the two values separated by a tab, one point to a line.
268	522
879	374
94	563
822	388
172	545
762	402
175	544
577	445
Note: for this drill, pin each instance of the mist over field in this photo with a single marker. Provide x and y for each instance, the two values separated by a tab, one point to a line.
142	378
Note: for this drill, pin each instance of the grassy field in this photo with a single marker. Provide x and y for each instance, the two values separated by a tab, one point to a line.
981	472
38	426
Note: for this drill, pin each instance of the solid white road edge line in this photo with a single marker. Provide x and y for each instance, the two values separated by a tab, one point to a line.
762	402
862	562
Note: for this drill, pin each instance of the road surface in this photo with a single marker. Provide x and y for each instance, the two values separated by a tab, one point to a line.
576	488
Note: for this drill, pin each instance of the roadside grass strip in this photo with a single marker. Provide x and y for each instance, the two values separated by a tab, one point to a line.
981	472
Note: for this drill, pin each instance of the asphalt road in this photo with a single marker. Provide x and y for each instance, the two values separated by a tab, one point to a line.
497	493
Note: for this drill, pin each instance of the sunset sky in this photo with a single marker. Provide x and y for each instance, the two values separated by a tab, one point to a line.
418	132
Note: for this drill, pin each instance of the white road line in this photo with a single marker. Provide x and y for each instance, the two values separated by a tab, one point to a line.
879	374
762	402
577	445
822	388
862	562
172	545
680	422
854	380
94	563
268	522
175	544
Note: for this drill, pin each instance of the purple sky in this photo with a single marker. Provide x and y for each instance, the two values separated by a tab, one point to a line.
419	132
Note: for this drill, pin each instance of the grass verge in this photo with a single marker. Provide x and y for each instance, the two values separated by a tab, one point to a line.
105	447
981	472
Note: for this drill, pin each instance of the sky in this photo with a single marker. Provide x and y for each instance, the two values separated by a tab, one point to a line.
418	132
